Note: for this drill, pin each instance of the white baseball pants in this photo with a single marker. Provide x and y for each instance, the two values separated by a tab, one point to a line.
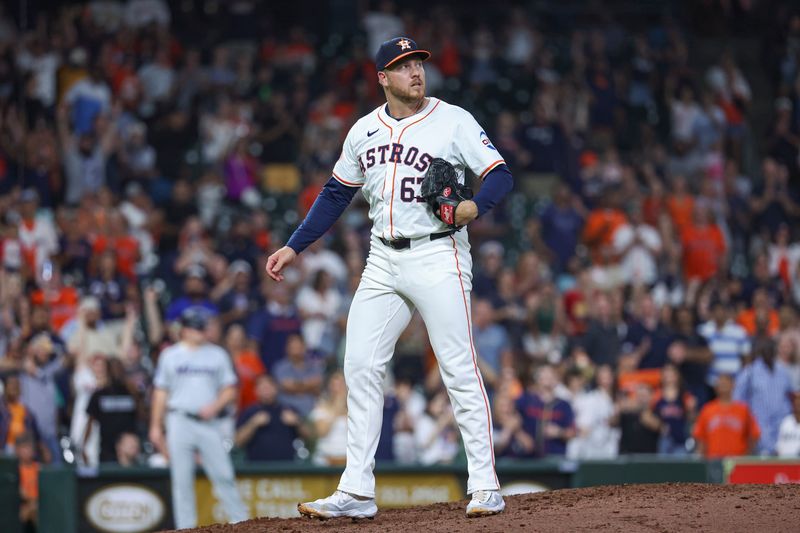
434	277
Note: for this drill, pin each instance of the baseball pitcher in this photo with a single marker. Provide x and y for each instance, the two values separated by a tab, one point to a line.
408	157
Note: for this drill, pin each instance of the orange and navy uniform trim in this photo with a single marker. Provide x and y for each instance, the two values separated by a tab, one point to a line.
412	52
345	182
492	167
383	190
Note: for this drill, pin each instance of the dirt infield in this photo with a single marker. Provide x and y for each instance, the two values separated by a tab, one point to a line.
630	508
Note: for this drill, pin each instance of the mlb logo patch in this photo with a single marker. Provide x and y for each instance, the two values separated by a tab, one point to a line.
446	192
486	142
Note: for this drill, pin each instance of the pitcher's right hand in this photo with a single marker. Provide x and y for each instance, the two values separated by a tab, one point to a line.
275	263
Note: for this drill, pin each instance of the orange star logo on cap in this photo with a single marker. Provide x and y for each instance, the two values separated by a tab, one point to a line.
404	43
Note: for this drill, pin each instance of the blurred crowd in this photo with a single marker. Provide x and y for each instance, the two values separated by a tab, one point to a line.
638	292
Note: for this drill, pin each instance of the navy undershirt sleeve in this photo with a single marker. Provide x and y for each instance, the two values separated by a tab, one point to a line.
328	207
496	184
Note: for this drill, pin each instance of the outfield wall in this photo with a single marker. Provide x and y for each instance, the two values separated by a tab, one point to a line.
116	499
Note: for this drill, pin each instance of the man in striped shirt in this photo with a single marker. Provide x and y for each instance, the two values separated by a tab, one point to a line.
765	386
727	340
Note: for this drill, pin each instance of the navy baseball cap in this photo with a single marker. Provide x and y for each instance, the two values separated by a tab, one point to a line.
396	49
195	317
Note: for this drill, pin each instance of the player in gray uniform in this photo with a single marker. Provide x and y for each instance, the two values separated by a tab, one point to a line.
194	383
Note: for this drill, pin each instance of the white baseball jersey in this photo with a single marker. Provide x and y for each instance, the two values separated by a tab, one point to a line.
388	159
193	377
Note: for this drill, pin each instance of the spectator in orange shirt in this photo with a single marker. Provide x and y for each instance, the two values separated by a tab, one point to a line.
310	192
61	300
654	204
28	481
261	233
680	204
125	245
247	363
602	222
16	419
762	313
724	427
358	71
703	246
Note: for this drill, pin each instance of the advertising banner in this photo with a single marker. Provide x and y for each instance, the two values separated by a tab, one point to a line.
278	495
762	471
124	505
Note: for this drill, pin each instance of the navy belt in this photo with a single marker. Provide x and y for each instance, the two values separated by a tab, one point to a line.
402	244
194	416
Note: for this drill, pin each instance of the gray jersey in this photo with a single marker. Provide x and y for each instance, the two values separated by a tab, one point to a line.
193	377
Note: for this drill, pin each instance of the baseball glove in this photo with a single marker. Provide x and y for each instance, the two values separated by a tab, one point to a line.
442	191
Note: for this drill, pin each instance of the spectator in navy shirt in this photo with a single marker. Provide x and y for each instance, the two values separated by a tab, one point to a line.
238	301
775	202
546	418
271	327
648	337
760	278
195	294
690	352
267	429
510	439
484	283
546	143
75	250
239	244
561	227
673	409
299	377
109	287
391	409
601	341
491	341
604	101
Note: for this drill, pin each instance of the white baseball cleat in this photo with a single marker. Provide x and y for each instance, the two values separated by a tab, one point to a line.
485	503
339	504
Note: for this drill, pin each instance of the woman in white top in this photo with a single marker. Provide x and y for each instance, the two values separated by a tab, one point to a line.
319	305
329	417
435	432
784	258
595	419
789	432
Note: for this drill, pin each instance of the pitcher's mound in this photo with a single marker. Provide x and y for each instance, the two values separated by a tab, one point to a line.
664	508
